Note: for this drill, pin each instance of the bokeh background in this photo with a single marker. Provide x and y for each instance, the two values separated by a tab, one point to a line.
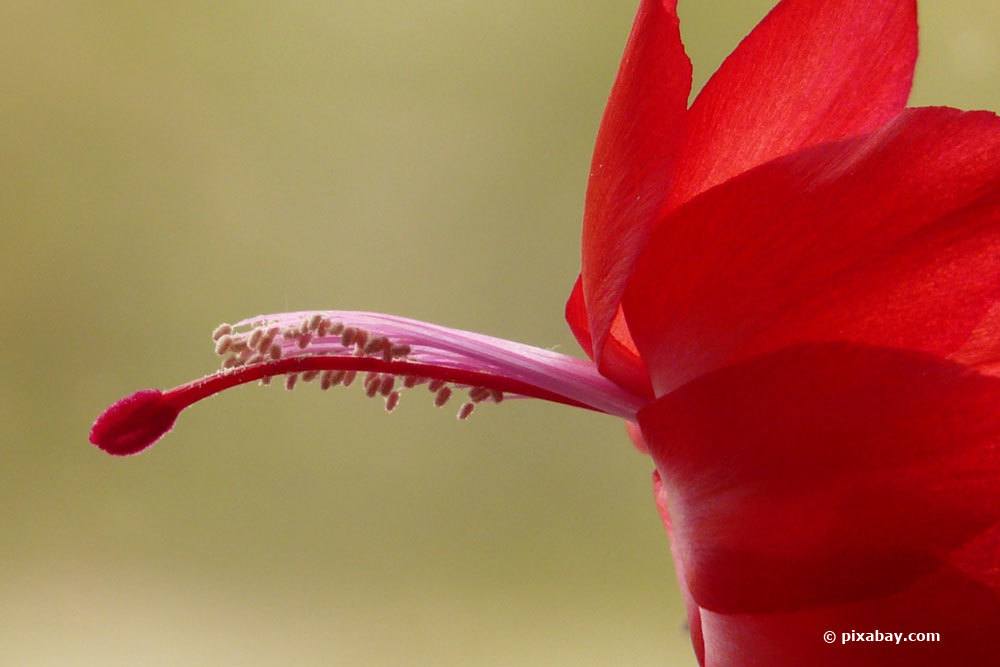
167	166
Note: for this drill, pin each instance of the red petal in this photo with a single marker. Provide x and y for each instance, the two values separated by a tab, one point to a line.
693	610
830	477
576	318
891	239
633	158
620	361
965	614
635	435
812	71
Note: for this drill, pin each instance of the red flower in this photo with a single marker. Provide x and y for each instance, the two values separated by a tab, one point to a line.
809	273
792	287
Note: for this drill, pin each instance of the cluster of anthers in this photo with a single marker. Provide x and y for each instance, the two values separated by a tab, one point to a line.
391	354
259	342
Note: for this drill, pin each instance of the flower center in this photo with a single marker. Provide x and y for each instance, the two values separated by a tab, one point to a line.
391	355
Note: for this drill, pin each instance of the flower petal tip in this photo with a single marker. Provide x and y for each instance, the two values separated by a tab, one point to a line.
134	423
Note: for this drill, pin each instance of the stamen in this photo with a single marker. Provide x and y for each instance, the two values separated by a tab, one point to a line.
360	338
222	330
255	338
392	401
223	345
294	344
442	396
376	345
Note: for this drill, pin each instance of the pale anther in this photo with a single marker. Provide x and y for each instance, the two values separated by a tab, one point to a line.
223	345
255	338
222	330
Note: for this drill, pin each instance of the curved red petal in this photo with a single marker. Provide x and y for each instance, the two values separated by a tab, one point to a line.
620	361
635	435
812	71
890	239
633	158
963	613
576	318
829	475
693	610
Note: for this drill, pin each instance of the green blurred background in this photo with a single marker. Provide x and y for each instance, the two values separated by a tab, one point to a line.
167	166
